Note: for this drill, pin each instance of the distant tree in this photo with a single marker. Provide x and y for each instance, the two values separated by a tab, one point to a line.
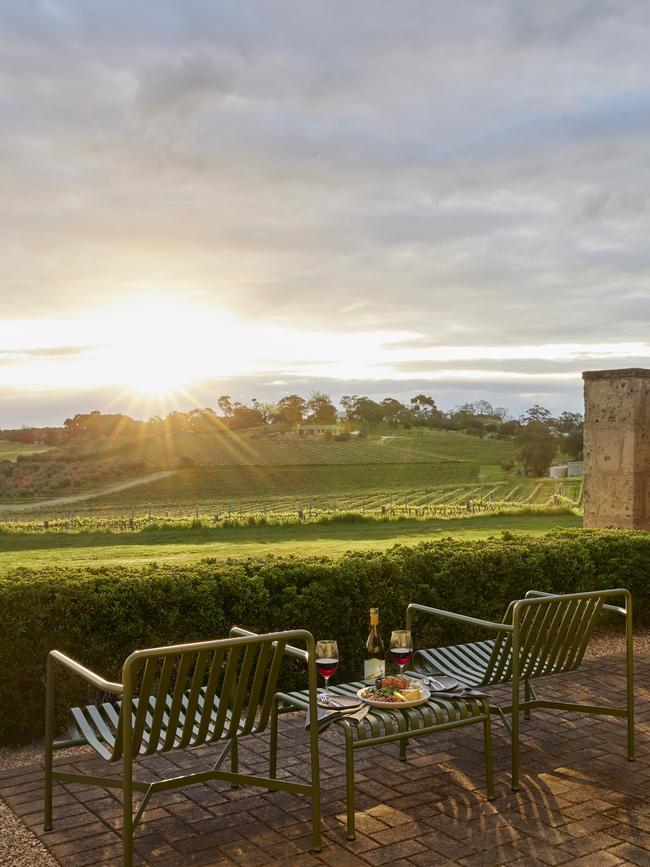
467	418
536	447
570	428
368	410
483	407
267	410
95	425
204	420
570	422
361	408
537	413
292	408
509	428
244	416
424	410
225	405
177	422
321	409
349	404
394	411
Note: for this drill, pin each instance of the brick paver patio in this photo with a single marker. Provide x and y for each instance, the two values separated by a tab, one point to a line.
581	802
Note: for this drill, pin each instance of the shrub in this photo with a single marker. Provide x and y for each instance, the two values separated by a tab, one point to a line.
100	615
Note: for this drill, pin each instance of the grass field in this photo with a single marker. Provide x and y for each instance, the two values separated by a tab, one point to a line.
184	546
9	451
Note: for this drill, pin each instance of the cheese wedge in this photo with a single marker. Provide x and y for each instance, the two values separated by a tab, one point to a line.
412	694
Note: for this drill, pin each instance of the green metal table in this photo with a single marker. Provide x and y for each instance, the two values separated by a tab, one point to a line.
386	726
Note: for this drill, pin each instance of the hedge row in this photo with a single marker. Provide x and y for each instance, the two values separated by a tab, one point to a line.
101	615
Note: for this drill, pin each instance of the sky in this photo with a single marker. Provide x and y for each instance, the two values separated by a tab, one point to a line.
369	197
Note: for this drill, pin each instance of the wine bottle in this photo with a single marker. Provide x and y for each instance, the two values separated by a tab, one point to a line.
374	665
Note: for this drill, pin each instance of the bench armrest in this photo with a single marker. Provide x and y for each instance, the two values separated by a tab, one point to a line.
85	673
451	615
535	594
288	648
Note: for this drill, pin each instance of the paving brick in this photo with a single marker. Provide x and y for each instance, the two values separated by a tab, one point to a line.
633	853
394	851
603	859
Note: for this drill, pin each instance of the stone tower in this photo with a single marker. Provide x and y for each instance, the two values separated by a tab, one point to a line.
617	448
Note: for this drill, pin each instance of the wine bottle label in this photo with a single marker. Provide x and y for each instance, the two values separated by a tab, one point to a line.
372	669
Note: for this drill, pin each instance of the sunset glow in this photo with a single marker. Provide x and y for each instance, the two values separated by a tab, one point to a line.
156	349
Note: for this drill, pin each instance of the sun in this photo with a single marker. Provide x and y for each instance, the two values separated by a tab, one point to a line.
155	378
161	347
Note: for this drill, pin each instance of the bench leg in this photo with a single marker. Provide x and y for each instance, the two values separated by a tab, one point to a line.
630	682
315	786
273	751
515	736
349	785
127	812
487	746
402	750
234	760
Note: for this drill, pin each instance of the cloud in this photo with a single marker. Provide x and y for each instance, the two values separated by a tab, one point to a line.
472	172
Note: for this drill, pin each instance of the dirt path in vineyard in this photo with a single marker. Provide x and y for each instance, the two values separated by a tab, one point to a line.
85	495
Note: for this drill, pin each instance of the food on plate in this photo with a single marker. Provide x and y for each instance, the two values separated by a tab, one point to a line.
396	682
393	690
411	694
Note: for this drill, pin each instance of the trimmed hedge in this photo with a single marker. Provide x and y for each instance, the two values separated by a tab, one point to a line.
99	616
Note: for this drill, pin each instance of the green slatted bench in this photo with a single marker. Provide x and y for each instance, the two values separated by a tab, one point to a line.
186	695
386	726
541	635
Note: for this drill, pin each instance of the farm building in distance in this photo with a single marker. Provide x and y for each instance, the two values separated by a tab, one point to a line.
317	430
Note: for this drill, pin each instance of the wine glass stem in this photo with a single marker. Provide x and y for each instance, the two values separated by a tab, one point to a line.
401	669
327	684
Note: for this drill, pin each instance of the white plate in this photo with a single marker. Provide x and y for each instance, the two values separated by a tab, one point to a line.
395	705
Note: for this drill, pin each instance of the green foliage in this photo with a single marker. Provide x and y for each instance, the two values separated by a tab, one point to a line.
536	447
100	615
145	525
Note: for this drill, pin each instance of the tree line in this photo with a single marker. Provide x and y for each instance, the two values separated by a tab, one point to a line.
538	434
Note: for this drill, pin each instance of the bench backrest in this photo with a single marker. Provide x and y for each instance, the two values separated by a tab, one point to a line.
192	694
553	633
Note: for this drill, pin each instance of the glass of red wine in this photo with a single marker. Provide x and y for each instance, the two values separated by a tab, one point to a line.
401	647
327	660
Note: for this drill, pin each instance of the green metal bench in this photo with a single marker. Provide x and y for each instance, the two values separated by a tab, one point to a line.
178	697
541	635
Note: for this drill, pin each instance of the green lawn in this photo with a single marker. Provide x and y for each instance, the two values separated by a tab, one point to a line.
183	546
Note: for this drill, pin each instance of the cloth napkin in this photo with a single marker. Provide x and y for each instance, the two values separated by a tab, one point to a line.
328	715
441	686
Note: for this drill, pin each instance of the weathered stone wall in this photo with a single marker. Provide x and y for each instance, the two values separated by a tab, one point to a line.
617	448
